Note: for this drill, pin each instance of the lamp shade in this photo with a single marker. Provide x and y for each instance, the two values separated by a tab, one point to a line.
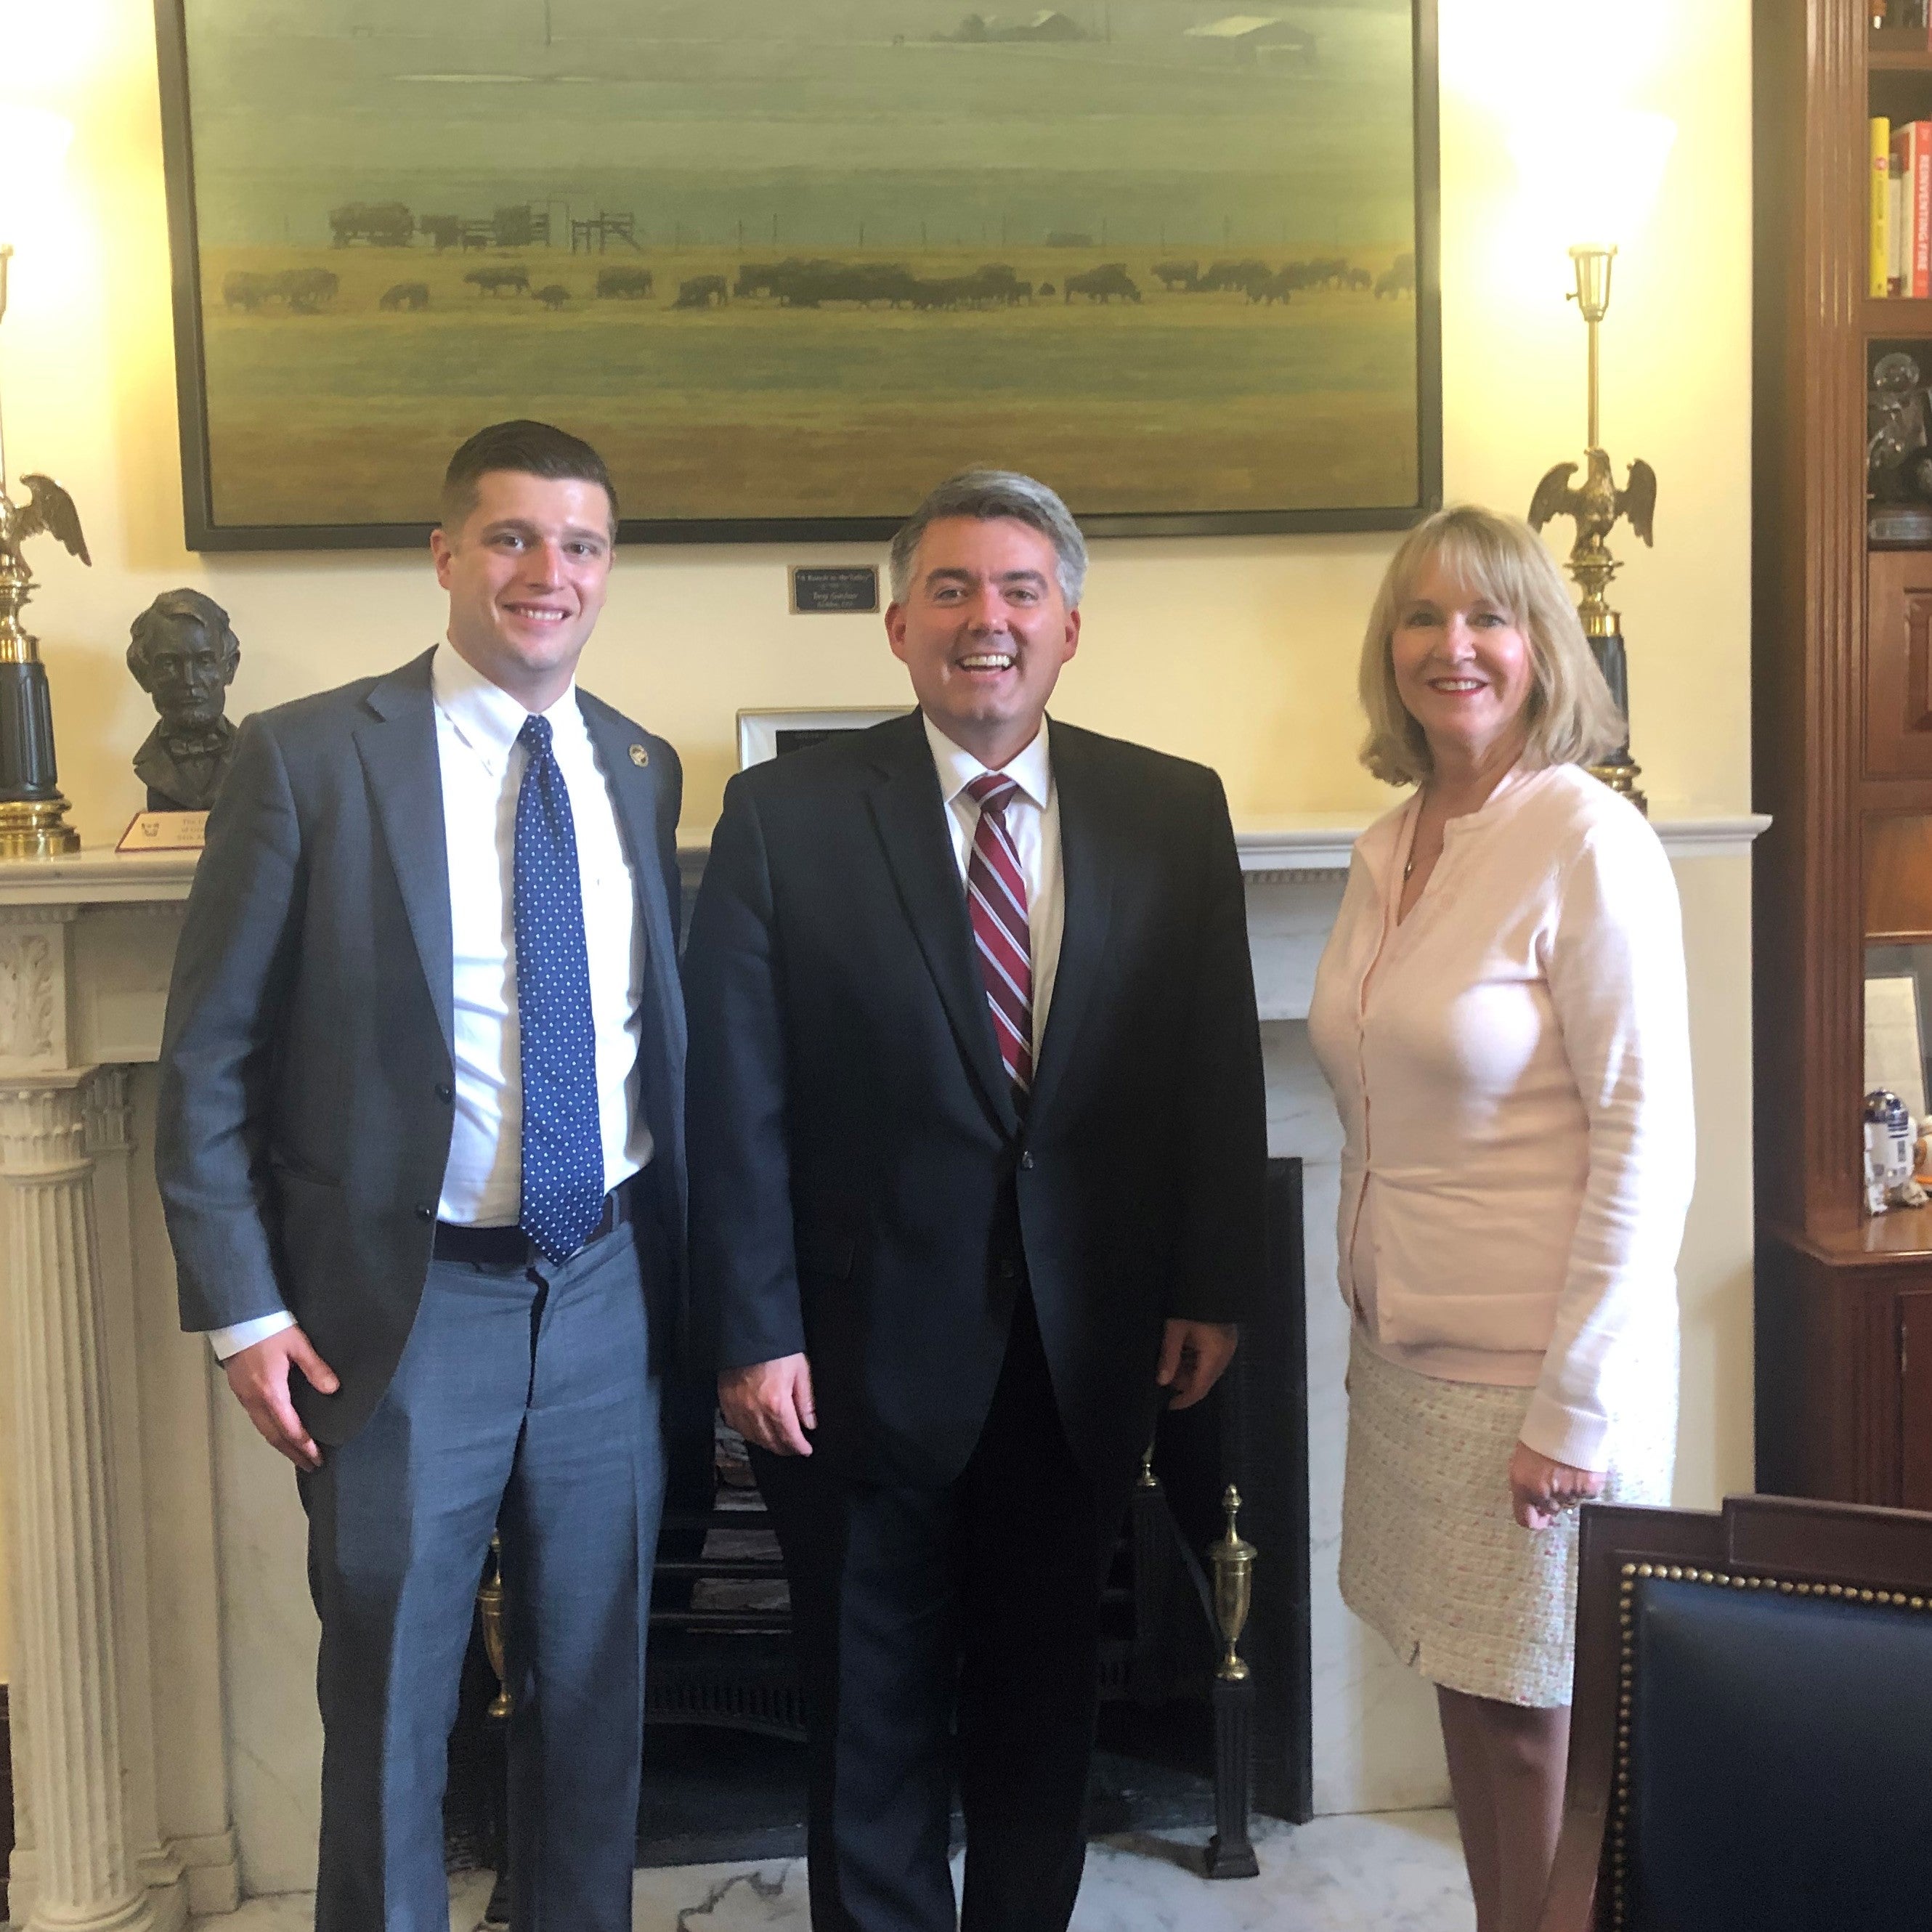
1593	187
34	145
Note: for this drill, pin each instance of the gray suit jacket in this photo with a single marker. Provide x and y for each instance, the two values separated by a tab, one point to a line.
306	1091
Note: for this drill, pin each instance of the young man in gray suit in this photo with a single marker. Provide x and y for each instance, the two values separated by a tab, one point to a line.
420	1145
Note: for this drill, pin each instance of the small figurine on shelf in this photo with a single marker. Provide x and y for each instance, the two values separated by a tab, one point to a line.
1888	1155
1898	464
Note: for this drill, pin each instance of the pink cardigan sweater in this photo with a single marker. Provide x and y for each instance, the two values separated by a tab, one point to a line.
1512	1065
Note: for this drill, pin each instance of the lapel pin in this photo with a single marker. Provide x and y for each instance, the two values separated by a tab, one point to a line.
640	757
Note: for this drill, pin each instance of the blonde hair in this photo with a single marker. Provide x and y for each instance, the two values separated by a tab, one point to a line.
1573	718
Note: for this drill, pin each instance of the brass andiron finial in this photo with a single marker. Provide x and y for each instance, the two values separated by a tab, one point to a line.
1597	507
490	1603
1234	1561
32	811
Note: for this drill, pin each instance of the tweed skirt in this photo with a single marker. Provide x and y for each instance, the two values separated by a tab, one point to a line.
1431	1557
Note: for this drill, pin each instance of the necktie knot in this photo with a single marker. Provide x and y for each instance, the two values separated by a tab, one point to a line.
992	792
535	736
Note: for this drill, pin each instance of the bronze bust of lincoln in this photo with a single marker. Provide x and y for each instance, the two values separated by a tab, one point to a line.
183	654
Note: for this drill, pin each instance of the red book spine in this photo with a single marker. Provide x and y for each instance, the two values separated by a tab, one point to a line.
1921	152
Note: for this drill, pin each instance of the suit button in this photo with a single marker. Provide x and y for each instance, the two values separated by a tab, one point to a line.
1026	1161
445	1092
424	1213
1007	1271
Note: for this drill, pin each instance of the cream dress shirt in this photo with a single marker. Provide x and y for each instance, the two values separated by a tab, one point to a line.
481	763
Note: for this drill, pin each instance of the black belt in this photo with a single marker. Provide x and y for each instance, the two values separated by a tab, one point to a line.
511	1247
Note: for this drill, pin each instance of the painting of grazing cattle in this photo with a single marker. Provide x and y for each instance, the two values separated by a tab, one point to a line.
787	262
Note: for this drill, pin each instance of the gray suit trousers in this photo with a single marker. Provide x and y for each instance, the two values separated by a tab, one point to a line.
526	1398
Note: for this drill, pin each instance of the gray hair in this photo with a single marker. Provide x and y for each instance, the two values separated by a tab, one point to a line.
985	495
1573	719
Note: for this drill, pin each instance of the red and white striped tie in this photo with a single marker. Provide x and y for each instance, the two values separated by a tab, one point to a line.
996	895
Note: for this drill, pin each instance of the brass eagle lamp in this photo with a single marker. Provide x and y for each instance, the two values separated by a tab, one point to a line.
1597	506
33	813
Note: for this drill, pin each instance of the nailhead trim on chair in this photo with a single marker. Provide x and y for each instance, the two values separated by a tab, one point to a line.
1676	1573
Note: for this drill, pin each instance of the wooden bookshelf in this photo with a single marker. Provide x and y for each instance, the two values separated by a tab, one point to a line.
1885	44
1843	1400
1896	315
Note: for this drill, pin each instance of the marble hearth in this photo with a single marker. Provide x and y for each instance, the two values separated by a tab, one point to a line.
165	1738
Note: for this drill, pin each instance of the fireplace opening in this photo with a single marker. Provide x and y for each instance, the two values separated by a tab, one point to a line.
724	1768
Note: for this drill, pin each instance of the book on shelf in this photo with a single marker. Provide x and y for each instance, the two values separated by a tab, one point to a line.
1901	210
1897	230
1881	206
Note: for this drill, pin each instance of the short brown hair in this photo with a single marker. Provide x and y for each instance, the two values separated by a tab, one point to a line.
531	449
1574	720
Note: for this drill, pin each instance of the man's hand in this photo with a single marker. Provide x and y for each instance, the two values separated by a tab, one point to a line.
1193	1355
770	1403
259	1377
1540	1490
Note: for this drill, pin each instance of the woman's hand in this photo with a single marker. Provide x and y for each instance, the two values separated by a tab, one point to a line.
1540	1490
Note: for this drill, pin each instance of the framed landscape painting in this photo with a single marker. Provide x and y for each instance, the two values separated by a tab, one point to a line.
787	263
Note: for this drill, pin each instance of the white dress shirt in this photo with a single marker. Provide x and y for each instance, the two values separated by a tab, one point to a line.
1032	819
482	766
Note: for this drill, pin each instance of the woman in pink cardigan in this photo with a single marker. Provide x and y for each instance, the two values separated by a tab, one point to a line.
1501	1012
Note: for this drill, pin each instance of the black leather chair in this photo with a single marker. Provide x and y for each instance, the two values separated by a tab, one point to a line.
1751	1745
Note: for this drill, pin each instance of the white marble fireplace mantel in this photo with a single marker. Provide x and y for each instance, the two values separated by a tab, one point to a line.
163	1725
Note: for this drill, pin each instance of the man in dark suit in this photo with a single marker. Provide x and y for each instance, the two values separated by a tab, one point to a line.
977	1148
420	1144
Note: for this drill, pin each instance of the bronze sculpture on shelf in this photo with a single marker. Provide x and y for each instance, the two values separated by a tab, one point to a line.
1898	463
1597	506
183	654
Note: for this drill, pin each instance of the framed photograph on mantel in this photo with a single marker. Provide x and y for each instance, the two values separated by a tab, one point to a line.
788	262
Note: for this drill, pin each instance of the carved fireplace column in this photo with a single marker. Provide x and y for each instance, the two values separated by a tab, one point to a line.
67	1686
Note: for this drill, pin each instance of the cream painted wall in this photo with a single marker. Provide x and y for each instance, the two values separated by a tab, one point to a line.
1241	652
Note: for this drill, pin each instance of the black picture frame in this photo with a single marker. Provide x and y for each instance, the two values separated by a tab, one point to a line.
204	533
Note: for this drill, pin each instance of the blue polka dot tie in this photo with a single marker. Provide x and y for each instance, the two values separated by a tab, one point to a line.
563	1146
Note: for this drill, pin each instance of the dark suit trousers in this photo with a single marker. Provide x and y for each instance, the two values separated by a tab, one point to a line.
943	1629
525	1398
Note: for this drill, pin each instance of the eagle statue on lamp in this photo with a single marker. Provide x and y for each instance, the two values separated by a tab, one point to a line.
1597	507
48	507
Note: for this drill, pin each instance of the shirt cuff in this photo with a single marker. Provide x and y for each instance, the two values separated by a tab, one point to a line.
1581	1441
227	1342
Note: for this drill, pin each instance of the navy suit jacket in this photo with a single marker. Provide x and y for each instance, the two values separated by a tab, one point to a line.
307	1080
862	1186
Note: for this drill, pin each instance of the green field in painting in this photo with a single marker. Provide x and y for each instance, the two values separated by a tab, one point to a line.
1205	401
